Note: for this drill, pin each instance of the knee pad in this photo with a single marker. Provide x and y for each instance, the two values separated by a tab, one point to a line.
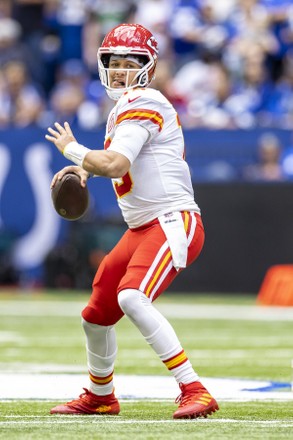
129	301
151	323
92	330
101	345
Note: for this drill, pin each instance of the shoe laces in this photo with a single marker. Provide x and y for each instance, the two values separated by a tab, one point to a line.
86	397
186	396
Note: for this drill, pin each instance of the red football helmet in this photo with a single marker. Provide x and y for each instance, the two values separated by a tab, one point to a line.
128	40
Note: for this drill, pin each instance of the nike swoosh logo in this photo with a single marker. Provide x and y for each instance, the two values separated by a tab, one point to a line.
133	99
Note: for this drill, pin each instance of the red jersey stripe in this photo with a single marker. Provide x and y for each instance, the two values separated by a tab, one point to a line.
141	114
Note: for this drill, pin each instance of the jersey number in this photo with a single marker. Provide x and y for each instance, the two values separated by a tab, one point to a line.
124	186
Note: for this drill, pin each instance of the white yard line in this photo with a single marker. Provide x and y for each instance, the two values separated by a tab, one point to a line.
114	420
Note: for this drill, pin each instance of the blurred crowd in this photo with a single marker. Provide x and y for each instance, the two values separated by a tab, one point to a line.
223	64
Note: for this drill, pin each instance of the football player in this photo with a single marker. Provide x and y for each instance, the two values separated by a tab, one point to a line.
144	156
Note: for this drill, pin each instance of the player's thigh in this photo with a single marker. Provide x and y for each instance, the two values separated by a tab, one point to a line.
151	269
103	307
150	258
195	238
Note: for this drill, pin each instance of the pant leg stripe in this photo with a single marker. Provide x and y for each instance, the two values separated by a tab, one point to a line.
153	266
160	281
192	228
158	272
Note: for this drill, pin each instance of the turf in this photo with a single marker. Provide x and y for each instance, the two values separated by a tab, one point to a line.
49	331
147	420
43	329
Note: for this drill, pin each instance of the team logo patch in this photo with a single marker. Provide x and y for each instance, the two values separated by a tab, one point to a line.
111	124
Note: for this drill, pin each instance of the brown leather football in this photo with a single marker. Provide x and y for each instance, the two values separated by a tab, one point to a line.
69	198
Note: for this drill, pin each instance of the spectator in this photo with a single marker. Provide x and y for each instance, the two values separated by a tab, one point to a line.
29	14
212	109
280	101
21	102
109	14
223	65
191	81
197	30
184	30
164	82
12	47
6	8
70	17
221	10
155	15
76	97
251	91
251	25
280	13
268	167
102	15
215	32
287	163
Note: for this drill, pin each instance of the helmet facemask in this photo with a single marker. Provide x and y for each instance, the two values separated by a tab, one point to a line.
143	77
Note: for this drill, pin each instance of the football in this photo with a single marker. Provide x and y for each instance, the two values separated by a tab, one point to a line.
69	198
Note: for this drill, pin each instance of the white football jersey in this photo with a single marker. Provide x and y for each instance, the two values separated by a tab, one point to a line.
159	179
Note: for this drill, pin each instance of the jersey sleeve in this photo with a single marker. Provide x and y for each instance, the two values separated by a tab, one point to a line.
138	108
129	140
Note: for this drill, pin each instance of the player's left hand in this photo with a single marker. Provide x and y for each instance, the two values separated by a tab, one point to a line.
83	174
60	136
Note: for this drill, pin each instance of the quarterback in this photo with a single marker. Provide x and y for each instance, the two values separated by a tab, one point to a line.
144	157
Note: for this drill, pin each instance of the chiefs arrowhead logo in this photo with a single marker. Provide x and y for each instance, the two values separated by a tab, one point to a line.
152	42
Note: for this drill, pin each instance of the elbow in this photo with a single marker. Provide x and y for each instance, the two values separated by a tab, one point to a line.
106	164
113	170
118	167
116	171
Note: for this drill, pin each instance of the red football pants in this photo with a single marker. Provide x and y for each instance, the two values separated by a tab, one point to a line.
141	260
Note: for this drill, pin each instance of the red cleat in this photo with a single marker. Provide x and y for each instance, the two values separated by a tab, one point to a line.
89	403
194	401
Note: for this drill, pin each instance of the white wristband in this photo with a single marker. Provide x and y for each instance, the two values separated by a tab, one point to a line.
75	152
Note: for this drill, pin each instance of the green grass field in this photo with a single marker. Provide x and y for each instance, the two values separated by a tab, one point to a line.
223	336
